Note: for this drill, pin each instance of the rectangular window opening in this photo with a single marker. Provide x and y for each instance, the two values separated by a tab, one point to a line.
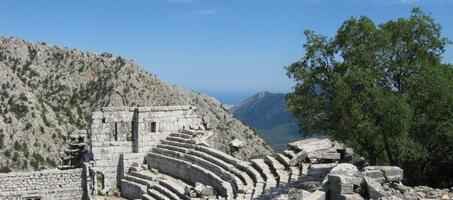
116	132
153	127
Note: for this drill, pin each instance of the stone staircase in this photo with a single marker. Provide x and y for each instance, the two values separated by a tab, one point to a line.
180	163
148	185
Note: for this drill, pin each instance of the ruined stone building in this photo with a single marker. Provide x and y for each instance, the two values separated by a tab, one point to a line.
161	153
122	136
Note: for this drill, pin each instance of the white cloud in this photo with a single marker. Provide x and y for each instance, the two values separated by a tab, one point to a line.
205	12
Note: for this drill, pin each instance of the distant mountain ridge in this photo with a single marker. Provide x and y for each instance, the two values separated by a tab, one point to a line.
263	110
47	92
267	113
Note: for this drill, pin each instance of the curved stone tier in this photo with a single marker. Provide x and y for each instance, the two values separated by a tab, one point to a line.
186	161
182	167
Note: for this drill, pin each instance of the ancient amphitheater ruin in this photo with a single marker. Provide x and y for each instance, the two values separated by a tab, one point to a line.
162	153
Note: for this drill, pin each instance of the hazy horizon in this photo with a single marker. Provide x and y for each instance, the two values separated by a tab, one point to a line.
228	49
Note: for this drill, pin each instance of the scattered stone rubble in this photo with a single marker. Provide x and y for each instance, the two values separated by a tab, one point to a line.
332	171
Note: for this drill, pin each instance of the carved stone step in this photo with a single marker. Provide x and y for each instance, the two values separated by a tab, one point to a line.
172	184
219	154
273	163
175	185
295	173
277	169
137	179
179	139
263	168
158	195
178	144
132	190
283	160
289	153
246	180
189	172
255	174
163	190
144	174
182	135
225	175
259	189
241	165
147	197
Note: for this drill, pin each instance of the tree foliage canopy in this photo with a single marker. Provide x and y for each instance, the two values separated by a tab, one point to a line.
383	90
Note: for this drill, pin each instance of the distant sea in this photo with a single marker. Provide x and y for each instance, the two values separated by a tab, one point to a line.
230	97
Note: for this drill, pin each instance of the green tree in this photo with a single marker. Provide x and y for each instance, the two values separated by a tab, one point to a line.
383	90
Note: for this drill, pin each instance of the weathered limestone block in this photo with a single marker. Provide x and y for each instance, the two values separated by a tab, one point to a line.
345	197
236	143
132	190
374	189
341	184
316	195
324	155
344	169
374	173
298	158
389	173
311	145
392	173
207	191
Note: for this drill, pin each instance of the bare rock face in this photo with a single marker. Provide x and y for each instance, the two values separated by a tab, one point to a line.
48	92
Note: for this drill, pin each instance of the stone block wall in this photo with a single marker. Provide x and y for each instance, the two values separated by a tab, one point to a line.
121	136
44	185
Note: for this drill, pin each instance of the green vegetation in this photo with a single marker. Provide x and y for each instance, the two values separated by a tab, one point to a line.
34	164
17	146
5	169
8	153
383	90
24	164
36	160
51	162
19	109
37	157
15	157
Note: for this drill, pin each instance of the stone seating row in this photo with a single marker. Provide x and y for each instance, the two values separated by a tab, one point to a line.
239	179
277	169
189	172
242	177
235	182
178	157
227	159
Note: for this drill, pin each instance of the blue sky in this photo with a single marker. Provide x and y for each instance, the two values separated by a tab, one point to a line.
230	49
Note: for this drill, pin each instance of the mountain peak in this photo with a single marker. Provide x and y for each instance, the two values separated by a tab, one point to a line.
48	92
263	93
267	113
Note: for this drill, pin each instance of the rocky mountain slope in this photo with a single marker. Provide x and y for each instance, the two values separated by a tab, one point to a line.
267	113
47	92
